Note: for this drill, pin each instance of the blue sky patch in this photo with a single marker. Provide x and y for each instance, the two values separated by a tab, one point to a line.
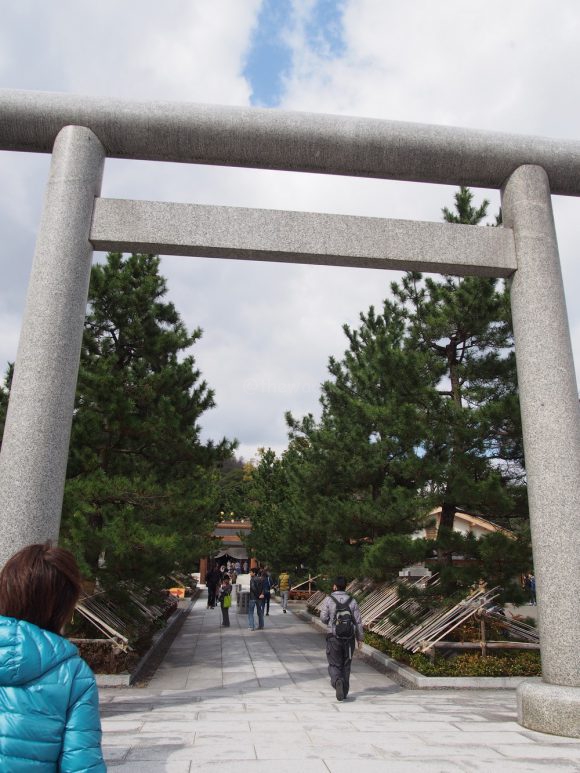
270	57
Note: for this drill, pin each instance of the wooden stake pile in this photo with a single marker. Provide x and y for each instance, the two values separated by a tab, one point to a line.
439	624
519	630
117	625
431	627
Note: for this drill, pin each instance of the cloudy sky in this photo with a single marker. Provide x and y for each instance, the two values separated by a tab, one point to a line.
270	328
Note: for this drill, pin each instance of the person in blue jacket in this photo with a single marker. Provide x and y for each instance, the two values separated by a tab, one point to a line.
49	705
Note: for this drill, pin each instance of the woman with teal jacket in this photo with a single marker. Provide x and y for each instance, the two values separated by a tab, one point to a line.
49	706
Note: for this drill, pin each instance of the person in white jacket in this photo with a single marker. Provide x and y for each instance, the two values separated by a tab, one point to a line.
342	615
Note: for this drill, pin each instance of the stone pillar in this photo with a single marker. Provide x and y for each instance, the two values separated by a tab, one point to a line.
551	429
36	437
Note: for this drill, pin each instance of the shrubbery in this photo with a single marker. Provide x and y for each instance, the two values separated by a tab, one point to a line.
511	663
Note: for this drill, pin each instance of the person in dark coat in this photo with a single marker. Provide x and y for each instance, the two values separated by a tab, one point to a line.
267	585
256	600
212	580
339	651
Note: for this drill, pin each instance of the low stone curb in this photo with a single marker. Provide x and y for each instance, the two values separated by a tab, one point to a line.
174	622
408	677
113	680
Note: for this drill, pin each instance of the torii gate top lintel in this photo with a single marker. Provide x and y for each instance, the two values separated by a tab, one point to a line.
285	140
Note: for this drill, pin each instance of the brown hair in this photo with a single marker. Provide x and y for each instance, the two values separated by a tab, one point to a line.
40	584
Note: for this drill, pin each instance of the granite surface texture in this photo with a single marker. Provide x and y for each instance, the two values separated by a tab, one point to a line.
301	237
551	430
278	139
550	418
549	708
36	436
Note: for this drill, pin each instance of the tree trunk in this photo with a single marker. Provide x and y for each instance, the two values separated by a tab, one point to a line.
448	508
452	364
445	526
447	516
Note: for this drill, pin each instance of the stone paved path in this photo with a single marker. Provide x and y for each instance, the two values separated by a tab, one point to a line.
260	702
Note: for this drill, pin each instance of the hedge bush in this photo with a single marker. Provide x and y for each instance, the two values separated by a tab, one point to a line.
510	663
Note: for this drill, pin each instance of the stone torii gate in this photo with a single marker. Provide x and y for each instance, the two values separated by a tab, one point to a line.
80	132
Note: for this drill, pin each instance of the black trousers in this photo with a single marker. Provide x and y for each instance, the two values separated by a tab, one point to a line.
225	616
211	594
339	655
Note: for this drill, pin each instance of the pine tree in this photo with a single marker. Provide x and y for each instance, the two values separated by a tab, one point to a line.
234	500
4	396
142	490
361	470
474	440
284	535
473	444
421	411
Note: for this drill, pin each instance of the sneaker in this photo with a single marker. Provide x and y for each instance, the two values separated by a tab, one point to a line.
251	629
339	690
284	611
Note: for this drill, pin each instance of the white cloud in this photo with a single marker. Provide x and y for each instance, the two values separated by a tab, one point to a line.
501	67
138	49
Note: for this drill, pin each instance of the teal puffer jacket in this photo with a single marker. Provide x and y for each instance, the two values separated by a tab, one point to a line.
49	705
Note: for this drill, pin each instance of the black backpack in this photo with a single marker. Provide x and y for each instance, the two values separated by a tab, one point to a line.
344	626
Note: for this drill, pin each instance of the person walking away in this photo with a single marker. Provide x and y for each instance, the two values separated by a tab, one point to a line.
212	580
267	584
530	588
527	587
255	600
342	615
225	600
284	588
49	704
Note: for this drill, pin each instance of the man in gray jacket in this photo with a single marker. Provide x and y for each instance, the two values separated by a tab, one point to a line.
342	614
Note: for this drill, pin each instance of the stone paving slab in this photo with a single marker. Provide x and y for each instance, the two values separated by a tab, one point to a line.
261	701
